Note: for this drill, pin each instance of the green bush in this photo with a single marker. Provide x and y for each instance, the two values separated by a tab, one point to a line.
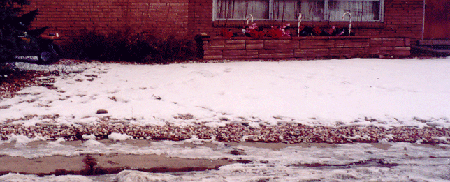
9	27
129	47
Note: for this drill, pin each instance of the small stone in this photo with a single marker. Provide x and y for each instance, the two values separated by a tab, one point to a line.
238	152
102	111
157	97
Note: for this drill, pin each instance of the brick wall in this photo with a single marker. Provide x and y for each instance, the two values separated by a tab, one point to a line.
167	17
187	18
403	18
200	17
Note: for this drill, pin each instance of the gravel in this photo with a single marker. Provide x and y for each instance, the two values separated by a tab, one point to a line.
236	132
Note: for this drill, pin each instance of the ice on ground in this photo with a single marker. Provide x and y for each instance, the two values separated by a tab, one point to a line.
346	162
21	140
118	136
136	176
13	177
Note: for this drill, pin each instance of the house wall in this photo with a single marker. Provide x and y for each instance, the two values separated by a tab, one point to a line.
159	17
402	18
187	18
437	19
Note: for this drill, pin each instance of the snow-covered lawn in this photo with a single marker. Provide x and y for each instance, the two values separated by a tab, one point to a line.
328	92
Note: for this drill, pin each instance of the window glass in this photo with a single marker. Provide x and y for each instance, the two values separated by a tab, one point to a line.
360	10
241	9
288	10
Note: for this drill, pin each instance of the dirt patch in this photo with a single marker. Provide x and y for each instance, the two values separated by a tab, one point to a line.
362	163
15	81
95	164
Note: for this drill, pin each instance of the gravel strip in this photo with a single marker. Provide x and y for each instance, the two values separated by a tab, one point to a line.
238	132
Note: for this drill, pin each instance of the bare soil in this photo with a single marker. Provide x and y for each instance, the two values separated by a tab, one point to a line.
105	164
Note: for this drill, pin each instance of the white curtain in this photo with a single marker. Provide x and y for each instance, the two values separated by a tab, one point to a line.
360	10
312	10
241	9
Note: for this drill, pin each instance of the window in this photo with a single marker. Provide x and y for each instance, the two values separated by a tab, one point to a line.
288	10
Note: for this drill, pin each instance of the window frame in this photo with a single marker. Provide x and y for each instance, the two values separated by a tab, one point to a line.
326	13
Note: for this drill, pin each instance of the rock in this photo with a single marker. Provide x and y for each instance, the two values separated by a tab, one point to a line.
156	97
238	152
102	111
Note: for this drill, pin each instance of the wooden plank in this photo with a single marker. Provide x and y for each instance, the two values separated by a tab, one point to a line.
213	57
212	52
254	46
235	46
402	48
280	44
240	52
323	43
299	53
434	42
234	41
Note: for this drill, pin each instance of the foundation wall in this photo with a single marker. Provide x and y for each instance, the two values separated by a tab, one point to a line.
305	48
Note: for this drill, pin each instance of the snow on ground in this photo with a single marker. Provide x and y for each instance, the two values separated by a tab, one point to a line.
327	92
345	162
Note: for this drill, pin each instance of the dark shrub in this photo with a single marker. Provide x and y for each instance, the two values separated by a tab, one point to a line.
172	49
87	45
129	47
12	25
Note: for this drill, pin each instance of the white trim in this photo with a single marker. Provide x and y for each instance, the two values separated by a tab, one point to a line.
271	9
381	11
214	9
423	18
326	13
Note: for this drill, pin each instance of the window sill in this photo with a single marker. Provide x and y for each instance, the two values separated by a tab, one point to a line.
269	23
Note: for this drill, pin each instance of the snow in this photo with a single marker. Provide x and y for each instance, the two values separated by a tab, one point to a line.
21	140
133	176
118	136
326	92
285	164
381	92
13	177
